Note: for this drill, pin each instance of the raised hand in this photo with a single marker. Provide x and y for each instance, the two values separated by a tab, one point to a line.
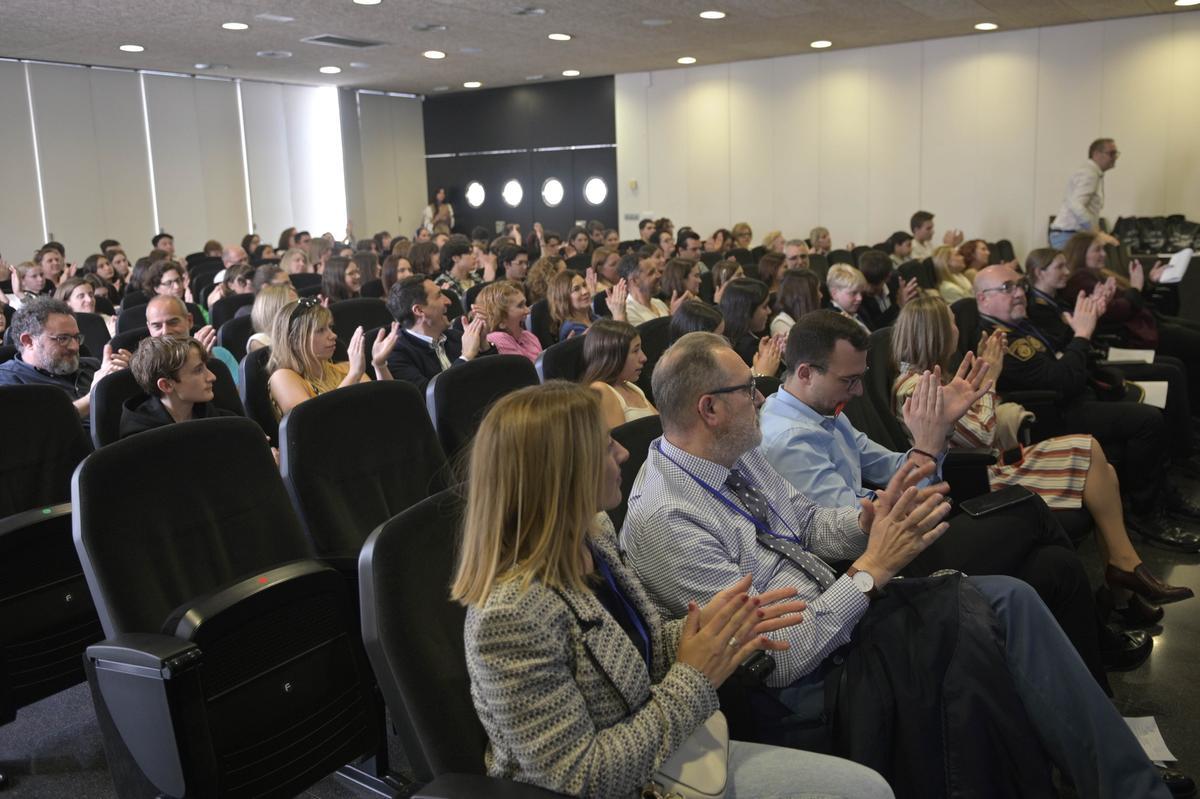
355	352
385	342
991	349
971	382
473	337
113	361
909	290
924	414
1083	319
678	299
590	280
894	539
766	360
616	300
1137	277
207	338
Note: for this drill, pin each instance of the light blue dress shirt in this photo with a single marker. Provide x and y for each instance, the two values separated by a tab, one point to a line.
824	456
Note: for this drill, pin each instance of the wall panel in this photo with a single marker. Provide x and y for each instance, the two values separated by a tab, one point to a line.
178	172
223	170
894	125
124	170
267	158
20	209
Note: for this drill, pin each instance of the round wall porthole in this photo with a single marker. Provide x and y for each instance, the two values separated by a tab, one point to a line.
475	194
512	193
553	192
595	190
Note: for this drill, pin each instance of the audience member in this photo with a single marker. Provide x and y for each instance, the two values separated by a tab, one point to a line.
820	241
723	272
720	241
770	267
438	213
29	281
578	242
164	242
1084	200
846	289
457	263
421	255
178	385
799	294
1067	472
921	225
368	266
269	275
80	297
646	231
537	279
885	292
707	508
666	244
504	312
898	247
605	265
695	316
613	361
687	246
795	254
296	261
512	263
268	303
612	238
341	280
681	276
746	308
48	340
395	268
165	278
643	276
427	344
238	279
976	255
742	235
950	271
287	239
1032	361
169	316
302	348
570	301
539	568
773	242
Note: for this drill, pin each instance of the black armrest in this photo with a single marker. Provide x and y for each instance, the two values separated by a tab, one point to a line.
145	654
24	519
968	457
470	786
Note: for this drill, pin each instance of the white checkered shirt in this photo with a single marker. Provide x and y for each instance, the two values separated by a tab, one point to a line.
685	544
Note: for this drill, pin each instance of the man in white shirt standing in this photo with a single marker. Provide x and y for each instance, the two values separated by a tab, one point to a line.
921	225
1081	207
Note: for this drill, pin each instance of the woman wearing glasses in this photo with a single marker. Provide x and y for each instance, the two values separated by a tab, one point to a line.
303	343
581	686
1068	472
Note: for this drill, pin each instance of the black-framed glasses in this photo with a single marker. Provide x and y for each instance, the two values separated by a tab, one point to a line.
750	388
849	382
1008	287
303	304
62	339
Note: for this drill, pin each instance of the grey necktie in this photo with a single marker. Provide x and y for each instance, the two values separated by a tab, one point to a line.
439	349
809	563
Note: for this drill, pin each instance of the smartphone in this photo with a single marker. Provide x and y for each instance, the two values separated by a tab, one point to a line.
996	500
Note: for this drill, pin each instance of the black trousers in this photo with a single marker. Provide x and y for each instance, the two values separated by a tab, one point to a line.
1182	341
1181	402
1027	542
1134	436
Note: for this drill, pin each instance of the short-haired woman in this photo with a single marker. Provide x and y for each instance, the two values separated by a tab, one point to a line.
540	574
743	235
178	385
1067	471
302	347
504	312
613	361
819	241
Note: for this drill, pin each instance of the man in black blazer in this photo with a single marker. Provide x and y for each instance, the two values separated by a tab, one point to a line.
427	345
886	291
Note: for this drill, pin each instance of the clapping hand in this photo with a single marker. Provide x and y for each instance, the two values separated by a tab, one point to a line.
678	299
474	337
971	382
924	412
909	290
207	338
1137	277
907	529
355	352
1156	271
113	361
766	360
991	349
385	342
590	280
909	475
616	300
1083	320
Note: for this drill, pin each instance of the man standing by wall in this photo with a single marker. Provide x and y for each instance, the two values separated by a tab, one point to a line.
1081	207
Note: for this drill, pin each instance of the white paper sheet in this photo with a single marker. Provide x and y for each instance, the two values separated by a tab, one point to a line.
1177	267
1156	392
1121	355
1145	729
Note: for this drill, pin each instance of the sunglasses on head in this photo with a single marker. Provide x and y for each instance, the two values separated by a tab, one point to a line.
302	305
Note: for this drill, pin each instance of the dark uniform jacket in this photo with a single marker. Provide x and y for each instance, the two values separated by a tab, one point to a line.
1032	360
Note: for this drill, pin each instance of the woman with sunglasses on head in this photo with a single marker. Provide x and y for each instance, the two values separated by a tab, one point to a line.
582	687
302	347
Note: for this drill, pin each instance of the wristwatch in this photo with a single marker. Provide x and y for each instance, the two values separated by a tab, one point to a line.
863	581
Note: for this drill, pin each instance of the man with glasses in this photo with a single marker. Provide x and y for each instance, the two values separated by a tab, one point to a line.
707	508
49	340
1081	208
1034	362
795	254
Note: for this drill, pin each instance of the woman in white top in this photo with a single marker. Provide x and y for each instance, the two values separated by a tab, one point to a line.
439	214
953	277
799	293
613	361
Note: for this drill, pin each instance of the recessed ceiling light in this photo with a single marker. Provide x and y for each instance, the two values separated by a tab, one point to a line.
821	44
1187	2
234	26
986	26
570	73
712	15
366	2
273	54
687	59
434	54
472	84
429	27
132	48
559	37
274	18
211	66
534	77
441	88
655	23
330	70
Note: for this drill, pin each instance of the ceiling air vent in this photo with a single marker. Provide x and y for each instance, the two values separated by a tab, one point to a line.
340	41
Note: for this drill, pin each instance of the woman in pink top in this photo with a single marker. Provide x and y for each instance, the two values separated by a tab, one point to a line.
504	312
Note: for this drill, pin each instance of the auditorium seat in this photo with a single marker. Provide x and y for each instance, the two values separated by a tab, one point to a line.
922	270
256	397
364	312
634	436
94	330
304	280
655	336
129	339
458	398
229	651
373	289
226	308
541	325
562	361
840	257
413	635
235	334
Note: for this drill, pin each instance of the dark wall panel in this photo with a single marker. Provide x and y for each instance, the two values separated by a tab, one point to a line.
559	114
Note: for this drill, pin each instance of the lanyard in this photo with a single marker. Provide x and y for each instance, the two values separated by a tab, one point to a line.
762	527
634	617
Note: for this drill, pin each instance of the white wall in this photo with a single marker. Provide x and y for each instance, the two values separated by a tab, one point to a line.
392	146
983	131
123	155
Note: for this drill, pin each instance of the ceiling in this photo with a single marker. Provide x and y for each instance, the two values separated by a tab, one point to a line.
486	41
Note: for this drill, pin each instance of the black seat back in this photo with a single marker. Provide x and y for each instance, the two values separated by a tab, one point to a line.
840	257
255	395
226	308
563	361
921	270
458	398
94	331
966	317
373	288
40	453
655	336
364	312
305	280
634	436
345	481
541	325
235	334
414	634
134	317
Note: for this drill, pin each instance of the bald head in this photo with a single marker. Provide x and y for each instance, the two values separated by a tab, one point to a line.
1000	293
683	373
233	256
167	316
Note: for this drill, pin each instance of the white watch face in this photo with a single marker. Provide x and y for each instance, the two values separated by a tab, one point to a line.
863	581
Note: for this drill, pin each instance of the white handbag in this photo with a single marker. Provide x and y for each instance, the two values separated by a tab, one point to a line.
698	769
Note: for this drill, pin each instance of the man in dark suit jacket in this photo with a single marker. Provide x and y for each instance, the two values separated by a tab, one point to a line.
427	346
885	291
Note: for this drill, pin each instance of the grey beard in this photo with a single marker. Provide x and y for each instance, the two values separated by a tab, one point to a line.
66	365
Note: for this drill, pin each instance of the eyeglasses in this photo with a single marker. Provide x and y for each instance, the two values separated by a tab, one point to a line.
303	304
1008	287
750	388
62	339
174	282
849	382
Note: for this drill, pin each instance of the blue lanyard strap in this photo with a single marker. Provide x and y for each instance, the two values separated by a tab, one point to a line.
635	618
762	527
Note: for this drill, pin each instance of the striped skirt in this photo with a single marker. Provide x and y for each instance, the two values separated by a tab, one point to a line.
1054	469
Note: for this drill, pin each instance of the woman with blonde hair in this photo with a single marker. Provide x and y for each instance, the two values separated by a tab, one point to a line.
537	279
819	241
742	235
1068	472
296	261
268	303
954	280
613	361
774	241
504	311
302	347
582	687
570	299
